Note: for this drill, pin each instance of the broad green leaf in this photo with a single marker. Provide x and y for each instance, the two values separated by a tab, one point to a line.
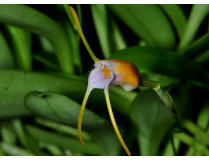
165	63
61	109
153	121
13	150
34	21
6	59
100	17
17	84
177	17
148	22
197	15
21	47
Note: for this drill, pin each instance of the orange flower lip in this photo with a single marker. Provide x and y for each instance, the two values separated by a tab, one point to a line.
126	74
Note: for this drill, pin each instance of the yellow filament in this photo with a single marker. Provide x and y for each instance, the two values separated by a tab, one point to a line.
82	35
114	122
88	91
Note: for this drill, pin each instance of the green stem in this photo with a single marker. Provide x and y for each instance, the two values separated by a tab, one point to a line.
168	102
151	84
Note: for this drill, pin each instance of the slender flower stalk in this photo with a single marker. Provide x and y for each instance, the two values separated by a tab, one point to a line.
109	73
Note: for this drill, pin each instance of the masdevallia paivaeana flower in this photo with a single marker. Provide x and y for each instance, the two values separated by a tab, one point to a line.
107	73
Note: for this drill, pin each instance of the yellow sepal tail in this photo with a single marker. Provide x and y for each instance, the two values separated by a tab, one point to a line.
82	35
114	122
88	91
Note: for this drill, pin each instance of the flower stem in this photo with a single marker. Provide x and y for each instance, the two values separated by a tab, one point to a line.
151	84
168	102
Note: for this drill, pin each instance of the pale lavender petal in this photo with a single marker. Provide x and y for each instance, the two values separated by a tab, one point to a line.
97	78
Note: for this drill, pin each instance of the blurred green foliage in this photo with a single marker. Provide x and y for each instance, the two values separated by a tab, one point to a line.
44	68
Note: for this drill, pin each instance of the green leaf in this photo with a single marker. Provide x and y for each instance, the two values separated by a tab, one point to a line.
177	17
63	110
6	59
203	117
8	133
197	45
74	87
153	121
34	21
100	17
196	131
202	57
63	128
190	141
202	122
148	22
165	63
21	47
197	15
13	150
117	40
24	138
72	33
170	146
53	149
63	141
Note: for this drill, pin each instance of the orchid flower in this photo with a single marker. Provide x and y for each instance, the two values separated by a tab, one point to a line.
107	73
